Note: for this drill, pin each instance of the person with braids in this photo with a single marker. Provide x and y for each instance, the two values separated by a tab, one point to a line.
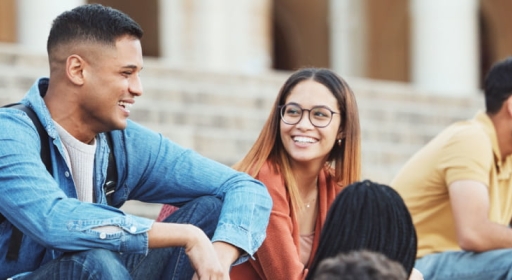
458	188
308	150
368	216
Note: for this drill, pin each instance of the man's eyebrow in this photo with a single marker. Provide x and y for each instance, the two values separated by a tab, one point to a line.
131	66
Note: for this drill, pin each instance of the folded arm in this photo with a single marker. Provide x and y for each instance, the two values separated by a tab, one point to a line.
475	232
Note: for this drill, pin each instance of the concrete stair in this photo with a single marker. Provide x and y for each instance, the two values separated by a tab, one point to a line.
220	114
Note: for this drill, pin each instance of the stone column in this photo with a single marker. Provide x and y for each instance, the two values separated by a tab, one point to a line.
35	19
7	21
348	37
444	42
216	35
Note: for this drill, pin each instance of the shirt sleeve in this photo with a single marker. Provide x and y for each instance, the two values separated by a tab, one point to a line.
468	155
43	207
159	171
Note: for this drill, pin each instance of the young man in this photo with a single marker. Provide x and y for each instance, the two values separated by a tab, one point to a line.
458	189
69	231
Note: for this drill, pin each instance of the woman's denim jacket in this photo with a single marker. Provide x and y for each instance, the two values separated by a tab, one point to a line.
150	168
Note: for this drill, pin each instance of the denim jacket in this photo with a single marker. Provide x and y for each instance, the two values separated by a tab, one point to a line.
150	168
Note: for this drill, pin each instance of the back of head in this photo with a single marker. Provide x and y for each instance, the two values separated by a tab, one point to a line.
360	265
498	85
371	216
92	23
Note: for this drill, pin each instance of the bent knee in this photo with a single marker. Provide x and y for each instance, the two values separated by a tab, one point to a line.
98	262
97	258
211	203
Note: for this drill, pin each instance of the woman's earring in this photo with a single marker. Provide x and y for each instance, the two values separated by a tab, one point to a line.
339	142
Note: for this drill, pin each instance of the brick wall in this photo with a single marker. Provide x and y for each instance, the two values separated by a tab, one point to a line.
220	115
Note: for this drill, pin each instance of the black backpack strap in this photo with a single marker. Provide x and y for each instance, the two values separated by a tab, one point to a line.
111	181
16	234
14	244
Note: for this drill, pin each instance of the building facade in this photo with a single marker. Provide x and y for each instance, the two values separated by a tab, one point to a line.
439	46
213	68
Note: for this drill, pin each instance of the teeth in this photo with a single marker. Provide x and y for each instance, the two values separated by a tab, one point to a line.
126	105
303	139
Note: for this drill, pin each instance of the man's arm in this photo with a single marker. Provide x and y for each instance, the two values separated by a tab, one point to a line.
475	232
176	175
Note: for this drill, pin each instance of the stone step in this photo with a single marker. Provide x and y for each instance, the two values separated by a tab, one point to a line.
220	115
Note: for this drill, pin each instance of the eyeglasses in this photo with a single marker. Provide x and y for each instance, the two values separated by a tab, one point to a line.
319	116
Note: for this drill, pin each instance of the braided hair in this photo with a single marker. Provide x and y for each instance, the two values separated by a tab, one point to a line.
369	216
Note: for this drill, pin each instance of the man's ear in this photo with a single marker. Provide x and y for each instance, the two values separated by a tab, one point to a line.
75	69
508	105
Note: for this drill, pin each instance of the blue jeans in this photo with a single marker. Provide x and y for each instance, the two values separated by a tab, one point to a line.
163	263
495	264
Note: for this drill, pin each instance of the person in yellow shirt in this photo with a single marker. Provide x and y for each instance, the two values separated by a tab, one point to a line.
458	189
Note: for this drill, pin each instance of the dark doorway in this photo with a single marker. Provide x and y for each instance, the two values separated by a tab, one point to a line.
146	14
300	34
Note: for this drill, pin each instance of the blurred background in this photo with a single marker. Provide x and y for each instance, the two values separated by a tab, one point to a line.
214	67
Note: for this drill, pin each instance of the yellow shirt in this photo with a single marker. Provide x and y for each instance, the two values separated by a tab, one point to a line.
466	150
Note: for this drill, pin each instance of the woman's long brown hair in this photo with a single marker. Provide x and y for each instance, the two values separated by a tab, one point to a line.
344	161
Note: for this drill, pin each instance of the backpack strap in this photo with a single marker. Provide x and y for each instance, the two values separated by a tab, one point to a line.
109	187
111	181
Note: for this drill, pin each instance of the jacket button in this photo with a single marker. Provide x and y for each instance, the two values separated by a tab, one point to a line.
103	235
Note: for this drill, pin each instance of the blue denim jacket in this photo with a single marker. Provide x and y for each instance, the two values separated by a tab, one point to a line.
150	167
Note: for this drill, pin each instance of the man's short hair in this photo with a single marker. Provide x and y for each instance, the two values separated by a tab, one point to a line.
91	23
498	85
360	265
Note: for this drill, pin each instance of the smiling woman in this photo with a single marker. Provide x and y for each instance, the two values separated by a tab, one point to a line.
307	152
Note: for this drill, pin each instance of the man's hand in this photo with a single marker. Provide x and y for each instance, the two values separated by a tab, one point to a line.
227	255
204	258
198	248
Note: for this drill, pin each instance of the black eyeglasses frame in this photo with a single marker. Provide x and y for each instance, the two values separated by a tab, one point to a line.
280	107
